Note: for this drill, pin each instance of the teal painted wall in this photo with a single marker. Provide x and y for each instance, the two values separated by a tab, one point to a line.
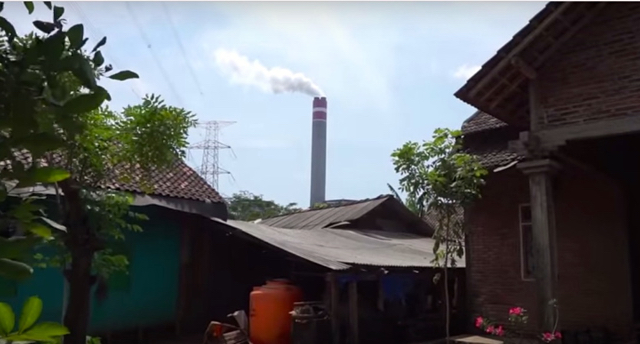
146	296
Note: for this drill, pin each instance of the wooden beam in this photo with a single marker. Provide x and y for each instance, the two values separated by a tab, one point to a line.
555	137
521	45
544	236
380	295
524	67
353	312
569	33
536	112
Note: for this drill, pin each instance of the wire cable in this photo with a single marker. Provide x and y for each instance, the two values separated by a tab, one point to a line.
98	33
155	57
182	49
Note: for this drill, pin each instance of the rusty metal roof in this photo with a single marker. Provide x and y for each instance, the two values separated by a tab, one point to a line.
499	87
314	218
340	249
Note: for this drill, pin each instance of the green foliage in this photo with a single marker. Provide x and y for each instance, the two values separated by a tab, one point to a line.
245	206
28	330
46	83
441	179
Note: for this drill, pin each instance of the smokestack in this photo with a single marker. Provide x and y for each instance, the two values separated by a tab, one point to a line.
318	150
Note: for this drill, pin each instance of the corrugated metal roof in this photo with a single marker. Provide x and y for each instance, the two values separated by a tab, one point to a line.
323	217
338	249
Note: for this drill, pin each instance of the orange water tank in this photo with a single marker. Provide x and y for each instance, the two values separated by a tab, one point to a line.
269	317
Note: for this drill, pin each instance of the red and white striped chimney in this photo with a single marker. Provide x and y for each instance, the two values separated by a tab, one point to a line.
318	151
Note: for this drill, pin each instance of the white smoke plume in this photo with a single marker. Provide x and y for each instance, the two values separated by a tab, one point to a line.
242	71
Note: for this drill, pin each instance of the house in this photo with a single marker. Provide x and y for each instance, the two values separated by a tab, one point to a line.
370	261
558	126
165	260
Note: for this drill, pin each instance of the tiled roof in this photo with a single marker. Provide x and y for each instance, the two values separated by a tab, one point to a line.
481	121
178	181
487	138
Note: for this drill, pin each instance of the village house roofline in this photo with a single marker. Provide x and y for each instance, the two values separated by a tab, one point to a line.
499	88
347	211
178	181
343	249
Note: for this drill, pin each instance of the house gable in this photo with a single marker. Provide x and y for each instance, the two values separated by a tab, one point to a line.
500	87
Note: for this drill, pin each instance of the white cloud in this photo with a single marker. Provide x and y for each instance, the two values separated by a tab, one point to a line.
465	71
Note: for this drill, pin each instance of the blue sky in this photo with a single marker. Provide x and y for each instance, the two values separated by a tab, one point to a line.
388	69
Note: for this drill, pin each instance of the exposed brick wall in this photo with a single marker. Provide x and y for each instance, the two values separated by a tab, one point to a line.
594	284
596	74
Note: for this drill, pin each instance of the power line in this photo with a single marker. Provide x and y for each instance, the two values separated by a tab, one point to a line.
210	169
182	49
97	32
155	57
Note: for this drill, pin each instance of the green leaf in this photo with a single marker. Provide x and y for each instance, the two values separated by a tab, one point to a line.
44	26
48	4
53	46
1	6
124	75
84	103
14	270
7	27
98	60
29	6
7	319
50	174
46	329
102	42
17	247
54	224
57	13
30	313
102	90
76	35
40	230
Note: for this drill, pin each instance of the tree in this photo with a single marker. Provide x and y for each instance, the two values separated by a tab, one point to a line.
245	206
441	178
56	131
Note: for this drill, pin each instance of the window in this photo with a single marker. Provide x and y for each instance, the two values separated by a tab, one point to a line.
526	243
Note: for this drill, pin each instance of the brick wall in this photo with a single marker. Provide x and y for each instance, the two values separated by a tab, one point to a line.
596	74
594	285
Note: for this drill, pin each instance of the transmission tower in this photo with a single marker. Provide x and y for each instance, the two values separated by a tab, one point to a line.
210	169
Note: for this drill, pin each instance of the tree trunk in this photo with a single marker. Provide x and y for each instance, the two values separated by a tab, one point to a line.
81	242
78	309
446	290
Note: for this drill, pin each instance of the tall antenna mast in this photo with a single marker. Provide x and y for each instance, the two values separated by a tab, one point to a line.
210	169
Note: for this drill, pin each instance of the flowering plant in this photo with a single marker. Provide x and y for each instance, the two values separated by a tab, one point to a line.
517	316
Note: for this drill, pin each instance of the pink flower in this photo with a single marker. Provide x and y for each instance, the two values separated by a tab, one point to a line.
548	337
479	322
490	329
499	331
558	335
516	311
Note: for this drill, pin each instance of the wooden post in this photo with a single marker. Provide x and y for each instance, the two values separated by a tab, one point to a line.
353	312
380	294
334	296
544	235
